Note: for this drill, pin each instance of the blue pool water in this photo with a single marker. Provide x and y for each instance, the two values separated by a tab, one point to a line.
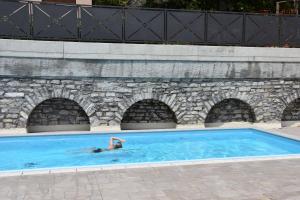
33	152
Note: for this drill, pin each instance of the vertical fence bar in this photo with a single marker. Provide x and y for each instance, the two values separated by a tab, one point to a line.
79	22
205	26
166	26
243	42
123	24
279	21
30	13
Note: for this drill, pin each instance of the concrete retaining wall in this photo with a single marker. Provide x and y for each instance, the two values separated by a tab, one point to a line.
101	60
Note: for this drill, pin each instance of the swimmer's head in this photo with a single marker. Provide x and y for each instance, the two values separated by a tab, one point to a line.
118	145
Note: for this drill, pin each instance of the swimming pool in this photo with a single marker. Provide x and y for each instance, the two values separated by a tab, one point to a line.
34	152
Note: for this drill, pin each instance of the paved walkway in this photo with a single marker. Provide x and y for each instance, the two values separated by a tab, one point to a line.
292	131
263	180
256	180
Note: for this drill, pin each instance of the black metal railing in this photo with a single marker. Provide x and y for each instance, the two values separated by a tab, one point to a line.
44	21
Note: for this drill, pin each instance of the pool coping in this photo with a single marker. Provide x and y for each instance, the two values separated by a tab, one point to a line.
90	168
61	133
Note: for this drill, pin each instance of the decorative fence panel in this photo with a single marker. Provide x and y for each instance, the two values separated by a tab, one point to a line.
33	20
54	21
290	31
225	28
99	24
14	19
261	30
144	25
186	27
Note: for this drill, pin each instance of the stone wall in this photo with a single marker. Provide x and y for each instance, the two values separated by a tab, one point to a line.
148	111
230	110
106	79
106	100
57	111
292	112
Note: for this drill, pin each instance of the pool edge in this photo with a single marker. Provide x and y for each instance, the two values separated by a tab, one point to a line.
96	168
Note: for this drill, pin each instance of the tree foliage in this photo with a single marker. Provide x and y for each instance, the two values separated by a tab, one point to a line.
222	5
110	2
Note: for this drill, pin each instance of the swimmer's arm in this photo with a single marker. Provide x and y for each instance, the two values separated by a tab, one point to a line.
112	139
111	142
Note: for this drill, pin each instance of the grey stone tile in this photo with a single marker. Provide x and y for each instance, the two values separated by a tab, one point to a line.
258	180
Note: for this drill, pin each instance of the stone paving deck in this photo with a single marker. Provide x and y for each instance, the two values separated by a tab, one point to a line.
253	180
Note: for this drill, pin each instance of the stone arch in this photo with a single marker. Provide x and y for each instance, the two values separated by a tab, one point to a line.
229	110
290	112
58	114
148	114
290	97
169	100
35	98
240	101
242	96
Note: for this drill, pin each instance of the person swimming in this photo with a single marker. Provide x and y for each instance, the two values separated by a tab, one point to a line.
114	143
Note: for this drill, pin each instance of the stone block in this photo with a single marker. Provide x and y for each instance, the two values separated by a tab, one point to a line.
14	94
110	94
